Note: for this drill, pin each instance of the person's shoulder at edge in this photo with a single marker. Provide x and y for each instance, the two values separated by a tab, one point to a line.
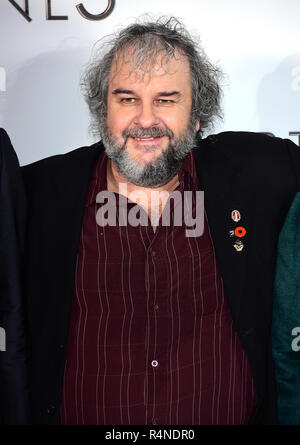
7	150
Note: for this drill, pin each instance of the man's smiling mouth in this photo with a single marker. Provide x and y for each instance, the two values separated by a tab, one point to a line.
147	138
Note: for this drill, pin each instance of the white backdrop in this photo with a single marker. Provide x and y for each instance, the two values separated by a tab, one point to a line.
255	42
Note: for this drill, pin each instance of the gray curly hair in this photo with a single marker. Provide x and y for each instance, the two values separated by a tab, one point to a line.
143	43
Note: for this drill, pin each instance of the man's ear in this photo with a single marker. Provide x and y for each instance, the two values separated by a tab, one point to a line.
197	125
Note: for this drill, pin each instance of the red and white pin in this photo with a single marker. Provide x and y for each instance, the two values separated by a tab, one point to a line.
235	215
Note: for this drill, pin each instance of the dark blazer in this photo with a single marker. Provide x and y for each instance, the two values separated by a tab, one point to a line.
253	173
13	382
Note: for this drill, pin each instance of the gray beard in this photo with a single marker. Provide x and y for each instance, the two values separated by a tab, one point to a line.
160	171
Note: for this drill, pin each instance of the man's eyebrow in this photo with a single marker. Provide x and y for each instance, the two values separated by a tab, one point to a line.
168	93
122	91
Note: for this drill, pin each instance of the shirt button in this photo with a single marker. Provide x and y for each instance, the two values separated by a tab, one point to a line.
153	253
154	363
154	422
156	307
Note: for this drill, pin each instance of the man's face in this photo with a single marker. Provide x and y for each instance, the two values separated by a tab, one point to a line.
148	128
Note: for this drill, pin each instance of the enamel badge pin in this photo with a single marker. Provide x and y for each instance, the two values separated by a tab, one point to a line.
238	245
235	215
240	232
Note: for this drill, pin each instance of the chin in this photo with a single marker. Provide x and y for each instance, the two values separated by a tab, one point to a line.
144	161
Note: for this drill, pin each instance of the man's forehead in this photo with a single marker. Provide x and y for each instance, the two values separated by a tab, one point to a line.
162	68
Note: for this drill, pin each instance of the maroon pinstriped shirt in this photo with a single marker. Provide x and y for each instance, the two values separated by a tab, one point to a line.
151	336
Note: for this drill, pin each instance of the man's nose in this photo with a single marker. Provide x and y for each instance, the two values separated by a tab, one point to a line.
146	116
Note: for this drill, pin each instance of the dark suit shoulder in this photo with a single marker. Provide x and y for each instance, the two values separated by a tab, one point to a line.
66	163
260	159
60	159
244	142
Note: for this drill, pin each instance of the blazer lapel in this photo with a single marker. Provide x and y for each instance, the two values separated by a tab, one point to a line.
220	179
76	179
57	210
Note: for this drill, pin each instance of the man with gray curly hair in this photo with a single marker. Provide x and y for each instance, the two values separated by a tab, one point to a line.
130	320
144	55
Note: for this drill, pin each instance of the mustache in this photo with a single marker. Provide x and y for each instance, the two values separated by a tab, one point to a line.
153	132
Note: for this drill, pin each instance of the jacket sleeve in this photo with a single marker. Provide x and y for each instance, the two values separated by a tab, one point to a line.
13	360
286	318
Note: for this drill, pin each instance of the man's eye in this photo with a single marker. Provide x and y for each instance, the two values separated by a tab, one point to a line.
164	101
128	100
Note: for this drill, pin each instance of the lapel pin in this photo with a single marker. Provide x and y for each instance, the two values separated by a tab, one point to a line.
238	245
240	232
235	215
